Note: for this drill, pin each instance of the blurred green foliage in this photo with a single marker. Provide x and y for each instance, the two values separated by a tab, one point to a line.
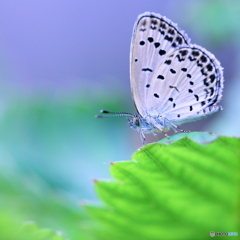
46	158
53	137
216	21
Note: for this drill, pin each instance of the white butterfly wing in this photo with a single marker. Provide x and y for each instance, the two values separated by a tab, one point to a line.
154	37
170	77
186	86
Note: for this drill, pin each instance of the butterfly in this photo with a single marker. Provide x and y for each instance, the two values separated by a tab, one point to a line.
172	80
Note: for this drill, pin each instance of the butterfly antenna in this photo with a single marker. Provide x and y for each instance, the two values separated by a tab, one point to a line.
114	114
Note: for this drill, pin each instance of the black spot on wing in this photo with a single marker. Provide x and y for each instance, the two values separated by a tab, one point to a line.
203	58
211	91
150	39
212	78
199	64
156	44
180	59
207	92
183	52
195	53
209	80
170	39
203	72
213	102
162	52
162	32
179	39
160	77
205	82
192	58
168	62
154	21
209	67
147	70
196	96
163	25
144	22
171	31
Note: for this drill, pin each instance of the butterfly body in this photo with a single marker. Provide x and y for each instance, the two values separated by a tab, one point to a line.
172	80
149	124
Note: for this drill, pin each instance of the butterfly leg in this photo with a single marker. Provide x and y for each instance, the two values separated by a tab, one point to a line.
143	139
154	134
166	135
175	127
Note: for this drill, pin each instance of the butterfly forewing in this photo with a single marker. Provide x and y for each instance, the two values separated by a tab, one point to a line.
154	37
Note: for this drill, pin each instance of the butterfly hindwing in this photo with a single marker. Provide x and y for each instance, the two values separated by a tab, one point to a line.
191	82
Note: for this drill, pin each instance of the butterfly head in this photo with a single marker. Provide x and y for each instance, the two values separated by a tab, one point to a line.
135	122
138	123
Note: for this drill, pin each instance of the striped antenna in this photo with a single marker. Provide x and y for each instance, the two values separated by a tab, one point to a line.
114	114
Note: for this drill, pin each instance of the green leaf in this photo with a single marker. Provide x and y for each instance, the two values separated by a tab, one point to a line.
182	190
198	137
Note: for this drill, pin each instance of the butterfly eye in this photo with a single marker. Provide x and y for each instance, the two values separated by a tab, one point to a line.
136	122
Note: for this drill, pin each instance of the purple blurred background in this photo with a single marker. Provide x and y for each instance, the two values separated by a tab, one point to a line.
63	45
